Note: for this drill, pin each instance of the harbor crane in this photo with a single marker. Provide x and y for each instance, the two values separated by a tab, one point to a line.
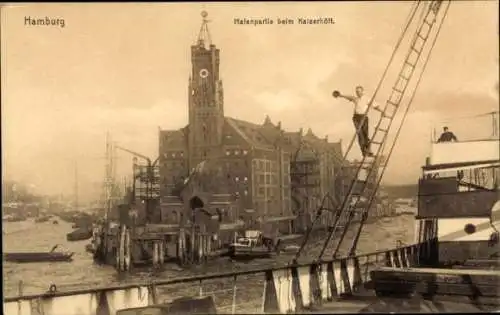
150	178
432	15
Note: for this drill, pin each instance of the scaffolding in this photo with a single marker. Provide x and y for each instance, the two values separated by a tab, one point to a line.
307	189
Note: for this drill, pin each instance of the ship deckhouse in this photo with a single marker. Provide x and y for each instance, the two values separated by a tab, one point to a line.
457	193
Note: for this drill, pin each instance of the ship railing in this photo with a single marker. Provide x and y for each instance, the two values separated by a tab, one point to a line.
293	287
478	127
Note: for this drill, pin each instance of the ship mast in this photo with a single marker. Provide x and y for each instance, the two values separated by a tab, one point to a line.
108	179
76	185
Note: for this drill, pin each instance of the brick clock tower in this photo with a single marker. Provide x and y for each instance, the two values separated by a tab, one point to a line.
206	103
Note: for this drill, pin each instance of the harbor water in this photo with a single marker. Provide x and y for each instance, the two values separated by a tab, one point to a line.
82	272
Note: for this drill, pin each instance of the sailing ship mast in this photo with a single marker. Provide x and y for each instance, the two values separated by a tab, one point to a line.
108	177
76	185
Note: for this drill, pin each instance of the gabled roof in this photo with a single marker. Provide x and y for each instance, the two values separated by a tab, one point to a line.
174	138
264	136
250	132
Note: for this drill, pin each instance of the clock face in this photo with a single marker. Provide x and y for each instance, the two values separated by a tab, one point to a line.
203	73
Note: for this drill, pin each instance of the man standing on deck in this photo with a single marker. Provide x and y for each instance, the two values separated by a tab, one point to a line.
360	118
447	136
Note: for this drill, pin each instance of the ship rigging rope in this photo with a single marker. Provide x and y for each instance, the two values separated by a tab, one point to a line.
469	117
364	214
354	244
350	217
409	19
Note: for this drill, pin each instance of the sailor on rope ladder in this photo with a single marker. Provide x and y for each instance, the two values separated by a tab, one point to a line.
360	117
383	146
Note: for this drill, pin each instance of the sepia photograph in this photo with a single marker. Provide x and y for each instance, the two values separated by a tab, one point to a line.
250	157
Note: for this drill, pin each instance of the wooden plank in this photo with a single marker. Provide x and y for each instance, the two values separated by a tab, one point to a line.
442	271
442	203
436	281
477	263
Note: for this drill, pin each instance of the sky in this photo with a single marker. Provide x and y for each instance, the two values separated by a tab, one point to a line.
123	68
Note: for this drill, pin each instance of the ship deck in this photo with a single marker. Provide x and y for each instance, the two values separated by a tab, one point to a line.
365	299
396	305
367	302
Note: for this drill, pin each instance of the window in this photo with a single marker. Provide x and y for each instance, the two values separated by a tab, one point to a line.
245	179
262	191
236	152
261	165
245	192
245	152
236	179
182	154
268	179
268	166
274	181
228	152
173	154
261	179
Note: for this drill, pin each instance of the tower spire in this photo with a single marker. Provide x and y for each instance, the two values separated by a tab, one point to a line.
204	34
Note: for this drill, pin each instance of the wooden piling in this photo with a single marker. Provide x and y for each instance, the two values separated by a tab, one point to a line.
155	254
128	248
209	244
119	251
162	252
200	248
233	306
182	250
193	244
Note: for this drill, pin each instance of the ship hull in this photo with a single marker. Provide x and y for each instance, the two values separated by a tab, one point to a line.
79	235
237	253
37	257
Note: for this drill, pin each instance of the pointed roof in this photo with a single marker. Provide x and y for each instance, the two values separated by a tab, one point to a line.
204	34
267	121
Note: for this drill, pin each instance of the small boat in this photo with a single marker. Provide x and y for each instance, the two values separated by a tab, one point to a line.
290	249
42	219
386	220
34	257
252	246
13	218
55	222
81	234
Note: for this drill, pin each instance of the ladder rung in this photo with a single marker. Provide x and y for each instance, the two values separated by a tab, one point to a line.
424	38
392	103
383	129
409	63
416	50
404	77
